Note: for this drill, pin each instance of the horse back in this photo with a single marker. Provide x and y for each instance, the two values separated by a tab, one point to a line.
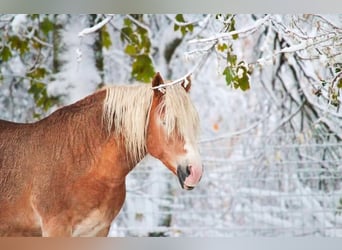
13	170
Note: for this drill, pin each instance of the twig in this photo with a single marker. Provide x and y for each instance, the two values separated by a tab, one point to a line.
179	80
236	133
181	24
185	78
331	125
317	105
286	119
339	29
96	27
337	77
305	44
229	35
140	24
42	42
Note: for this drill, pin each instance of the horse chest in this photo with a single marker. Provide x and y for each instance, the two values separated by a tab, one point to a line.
100	218
90	225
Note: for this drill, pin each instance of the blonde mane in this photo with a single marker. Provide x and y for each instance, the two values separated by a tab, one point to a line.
126	109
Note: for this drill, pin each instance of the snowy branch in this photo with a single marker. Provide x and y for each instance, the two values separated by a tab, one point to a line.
336	78
228	35
332	126
198	51
339	29
279	26
96	27
140	24
181	24
236	133
42	42
185	79
322	108
287	119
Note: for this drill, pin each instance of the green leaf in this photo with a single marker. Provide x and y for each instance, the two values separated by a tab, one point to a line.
127	22
339	84
146	42
38	73
36	116
106	41
229	75
180	18
126	34
17	44
232	59
142	68
142	31
191	27
6	53
34	16
232	28
183	30
36	88
39	92
243	80
222	47
338	67
46	26
130	50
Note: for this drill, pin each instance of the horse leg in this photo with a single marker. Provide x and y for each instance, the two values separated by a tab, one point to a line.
104	232
56	227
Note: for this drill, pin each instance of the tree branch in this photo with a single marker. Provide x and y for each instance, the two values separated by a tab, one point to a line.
96	27
228	35
140	24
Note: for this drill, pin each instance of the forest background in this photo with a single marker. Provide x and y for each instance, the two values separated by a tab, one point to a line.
258	80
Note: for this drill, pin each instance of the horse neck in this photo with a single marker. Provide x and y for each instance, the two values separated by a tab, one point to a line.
126	110
116	148
121	159
112	157
107	149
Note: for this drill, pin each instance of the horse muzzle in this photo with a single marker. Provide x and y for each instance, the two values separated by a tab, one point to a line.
189	176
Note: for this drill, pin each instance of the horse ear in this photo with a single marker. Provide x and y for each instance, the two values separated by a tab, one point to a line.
187	83
157	80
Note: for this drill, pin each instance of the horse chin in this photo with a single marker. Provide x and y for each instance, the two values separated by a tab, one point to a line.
188	187
184	186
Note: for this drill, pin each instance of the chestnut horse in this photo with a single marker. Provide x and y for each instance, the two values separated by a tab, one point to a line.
65	175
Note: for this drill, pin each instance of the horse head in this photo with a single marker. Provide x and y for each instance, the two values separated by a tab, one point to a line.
172	131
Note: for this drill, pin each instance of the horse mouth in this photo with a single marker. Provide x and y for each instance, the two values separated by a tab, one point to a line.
186	187
181	177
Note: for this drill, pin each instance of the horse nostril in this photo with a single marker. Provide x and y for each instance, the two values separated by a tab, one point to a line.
188	172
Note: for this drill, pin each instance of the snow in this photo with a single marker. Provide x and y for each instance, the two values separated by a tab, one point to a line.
96	27
271	167
79	76
18	22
